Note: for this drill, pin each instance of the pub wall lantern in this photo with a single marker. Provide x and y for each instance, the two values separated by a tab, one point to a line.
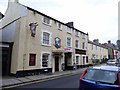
33	28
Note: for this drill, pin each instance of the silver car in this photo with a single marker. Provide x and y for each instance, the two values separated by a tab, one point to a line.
112	62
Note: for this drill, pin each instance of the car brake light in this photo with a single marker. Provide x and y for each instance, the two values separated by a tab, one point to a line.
84	72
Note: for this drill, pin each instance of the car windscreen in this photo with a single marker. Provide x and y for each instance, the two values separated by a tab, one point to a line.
102	76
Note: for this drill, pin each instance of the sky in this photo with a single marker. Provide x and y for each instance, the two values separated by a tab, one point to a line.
97	17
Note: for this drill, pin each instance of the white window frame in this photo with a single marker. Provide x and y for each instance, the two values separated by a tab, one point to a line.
76	33
83	36
78	44
59	28
84	45
77	55
49	59
50	38
85	59
70	42
92	46
50	21
96	48
69	30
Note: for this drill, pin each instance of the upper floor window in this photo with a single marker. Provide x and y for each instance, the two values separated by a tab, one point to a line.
46	20
92	46
59	25
83	36
83	45
76	43
76	33
46	38
69	42
69	30
96	47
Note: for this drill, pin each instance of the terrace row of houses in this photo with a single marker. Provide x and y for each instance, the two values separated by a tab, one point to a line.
34	43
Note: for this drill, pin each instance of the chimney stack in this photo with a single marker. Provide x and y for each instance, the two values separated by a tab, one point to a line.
71	24
109	42
96	41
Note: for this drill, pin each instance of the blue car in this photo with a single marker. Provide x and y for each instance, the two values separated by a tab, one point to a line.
100	78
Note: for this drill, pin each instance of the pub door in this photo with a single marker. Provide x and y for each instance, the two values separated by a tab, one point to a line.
56	63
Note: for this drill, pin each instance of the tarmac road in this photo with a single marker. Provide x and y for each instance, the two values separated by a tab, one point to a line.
71	81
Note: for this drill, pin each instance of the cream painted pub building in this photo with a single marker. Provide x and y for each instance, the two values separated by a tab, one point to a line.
34	43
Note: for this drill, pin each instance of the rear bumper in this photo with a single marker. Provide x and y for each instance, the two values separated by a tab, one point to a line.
83	85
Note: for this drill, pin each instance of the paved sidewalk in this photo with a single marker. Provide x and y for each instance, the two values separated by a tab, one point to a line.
11	81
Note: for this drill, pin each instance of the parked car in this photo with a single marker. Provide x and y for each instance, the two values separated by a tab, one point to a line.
112	62
100	78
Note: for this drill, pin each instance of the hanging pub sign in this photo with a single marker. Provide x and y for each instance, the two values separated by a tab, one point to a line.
33	28
57	42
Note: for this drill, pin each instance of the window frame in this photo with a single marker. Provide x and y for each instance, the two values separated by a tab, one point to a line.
44	18
59	28
47	61
83	45
92	46
84	59
76	33
67	42
77	60
31	56
83	36
78	44
69	30
50	38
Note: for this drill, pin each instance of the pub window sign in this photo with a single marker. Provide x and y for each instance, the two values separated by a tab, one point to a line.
57	42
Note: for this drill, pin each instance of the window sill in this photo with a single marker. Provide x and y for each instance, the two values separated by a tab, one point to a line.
60	29
83	38
77	48
44	67
77	35
69	46
47	24
69	32
46	45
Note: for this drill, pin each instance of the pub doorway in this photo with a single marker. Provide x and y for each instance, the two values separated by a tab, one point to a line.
56	63
68	57
6	51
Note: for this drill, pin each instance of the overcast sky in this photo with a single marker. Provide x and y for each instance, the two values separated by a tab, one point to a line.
97	17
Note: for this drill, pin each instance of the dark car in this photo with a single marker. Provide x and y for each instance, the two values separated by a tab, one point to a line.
100	78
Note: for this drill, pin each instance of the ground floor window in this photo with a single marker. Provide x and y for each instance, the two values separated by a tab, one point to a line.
77	59
86	59
32	59
45	59
83	59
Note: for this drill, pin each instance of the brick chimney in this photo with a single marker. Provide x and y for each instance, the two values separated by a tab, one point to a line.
96	41
109	42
